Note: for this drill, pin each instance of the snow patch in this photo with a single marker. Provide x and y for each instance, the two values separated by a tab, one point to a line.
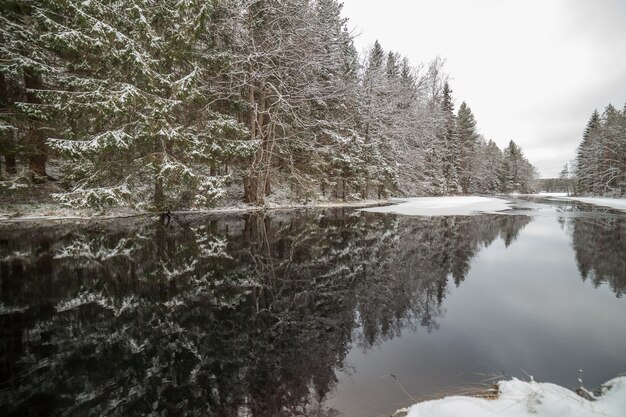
528	399
444	206
615	203
546	194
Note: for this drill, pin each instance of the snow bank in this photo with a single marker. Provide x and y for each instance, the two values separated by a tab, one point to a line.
546	194
616	203
528	399
443	206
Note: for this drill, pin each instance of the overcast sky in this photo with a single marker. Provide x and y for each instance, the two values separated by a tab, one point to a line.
530	70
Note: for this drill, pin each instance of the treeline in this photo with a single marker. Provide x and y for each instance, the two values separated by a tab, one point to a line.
159	103
600	166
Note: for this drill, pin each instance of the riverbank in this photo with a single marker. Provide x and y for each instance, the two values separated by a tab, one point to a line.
517	398
610	202
53	212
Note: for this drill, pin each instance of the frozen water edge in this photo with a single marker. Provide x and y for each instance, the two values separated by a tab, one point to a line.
527	399
614	203
44	213
444	206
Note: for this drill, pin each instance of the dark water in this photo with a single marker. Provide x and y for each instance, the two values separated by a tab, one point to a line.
305	313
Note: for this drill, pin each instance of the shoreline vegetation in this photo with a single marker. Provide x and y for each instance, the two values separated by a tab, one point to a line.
47	212
424	205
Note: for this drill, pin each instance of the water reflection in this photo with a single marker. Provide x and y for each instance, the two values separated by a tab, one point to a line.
247	315
600	246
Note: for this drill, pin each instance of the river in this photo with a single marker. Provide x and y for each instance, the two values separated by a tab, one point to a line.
319	312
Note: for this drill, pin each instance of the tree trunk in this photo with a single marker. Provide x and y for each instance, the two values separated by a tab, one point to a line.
6	98
251	189
38	153
158	191
252	112
251	180
3	104
262	121
158	180
268	187
11	164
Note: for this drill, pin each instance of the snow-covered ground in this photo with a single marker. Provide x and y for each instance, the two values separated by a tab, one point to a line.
444	206
544	194
528	399
46	212
615	203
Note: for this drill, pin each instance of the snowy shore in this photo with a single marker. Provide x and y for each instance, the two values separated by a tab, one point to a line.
43	212
614	203
413	206
528	399
444	206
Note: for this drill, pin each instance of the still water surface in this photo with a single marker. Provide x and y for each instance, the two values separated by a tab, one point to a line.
305	312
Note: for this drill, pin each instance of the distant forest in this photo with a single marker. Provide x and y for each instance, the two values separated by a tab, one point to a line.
181	103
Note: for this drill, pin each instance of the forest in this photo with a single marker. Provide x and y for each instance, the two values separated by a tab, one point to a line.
600	164
156	104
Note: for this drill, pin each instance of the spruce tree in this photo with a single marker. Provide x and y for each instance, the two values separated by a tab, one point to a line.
23	126
585	161
450	143
137	128
467	140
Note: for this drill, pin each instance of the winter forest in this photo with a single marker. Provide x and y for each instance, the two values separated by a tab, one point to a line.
312	208
157	104
600	164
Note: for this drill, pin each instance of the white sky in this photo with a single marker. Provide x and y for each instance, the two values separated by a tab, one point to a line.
530	70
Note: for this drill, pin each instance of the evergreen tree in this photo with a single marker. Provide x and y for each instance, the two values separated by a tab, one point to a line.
517	174
162	103
376	56
450	143
585	160
23	64
137	127
467	139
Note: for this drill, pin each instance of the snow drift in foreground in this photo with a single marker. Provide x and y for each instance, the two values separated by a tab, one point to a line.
443	206
528	399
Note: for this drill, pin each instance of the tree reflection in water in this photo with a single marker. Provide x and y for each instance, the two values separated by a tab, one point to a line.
236	315
600	246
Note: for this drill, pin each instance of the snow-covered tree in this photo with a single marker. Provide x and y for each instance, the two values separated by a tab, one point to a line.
586	163
489	164
517	174
162	103
467	142
133	122
448	137
23	64
601	156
